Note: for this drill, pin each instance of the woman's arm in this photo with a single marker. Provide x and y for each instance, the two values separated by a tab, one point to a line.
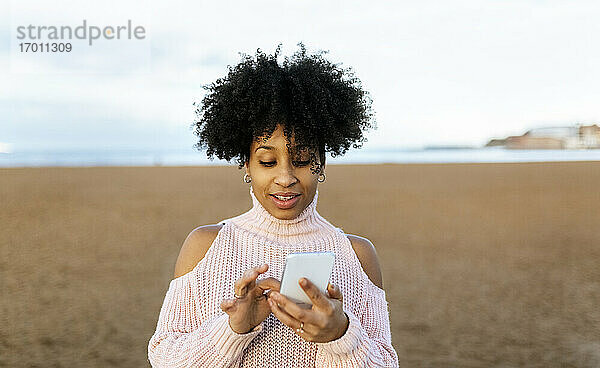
183	338
367	341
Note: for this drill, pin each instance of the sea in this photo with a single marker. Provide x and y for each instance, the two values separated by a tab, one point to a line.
190	157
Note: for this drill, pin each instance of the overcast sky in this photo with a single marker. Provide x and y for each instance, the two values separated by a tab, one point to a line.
439	72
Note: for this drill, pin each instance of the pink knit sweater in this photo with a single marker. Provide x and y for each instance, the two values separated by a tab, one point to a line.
193	331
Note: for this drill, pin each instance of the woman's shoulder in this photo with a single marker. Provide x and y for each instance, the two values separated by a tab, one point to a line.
367	255
194	247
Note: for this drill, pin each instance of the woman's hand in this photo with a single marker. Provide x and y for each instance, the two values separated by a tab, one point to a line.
250	310
324	322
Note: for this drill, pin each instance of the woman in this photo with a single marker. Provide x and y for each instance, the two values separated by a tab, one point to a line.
223	308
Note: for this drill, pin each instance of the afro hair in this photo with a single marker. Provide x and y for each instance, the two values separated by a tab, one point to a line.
320	104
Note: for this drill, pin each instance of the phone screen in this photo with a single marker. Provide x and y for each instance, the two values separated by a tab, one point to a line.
315	266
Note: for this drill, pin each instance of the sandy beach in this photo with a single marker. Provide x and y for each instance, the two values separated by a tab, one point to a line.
484	265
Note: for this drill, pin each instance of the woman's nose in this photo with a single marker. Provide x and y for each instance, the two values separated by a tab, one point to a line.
286	176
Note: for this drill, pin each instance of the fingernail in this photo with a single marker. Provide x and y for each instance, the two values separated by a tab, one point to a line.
303	282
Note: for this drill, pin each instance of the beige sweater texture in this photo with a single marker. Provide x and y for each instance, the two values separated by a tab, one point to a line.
193	331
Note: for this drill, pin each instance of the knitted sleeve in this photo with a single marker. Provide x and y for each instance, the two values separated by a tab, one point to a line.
367	341
183	339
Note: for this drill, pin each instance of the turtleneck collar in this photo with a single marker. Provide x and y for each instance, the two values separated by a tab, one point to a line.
304	216
306	225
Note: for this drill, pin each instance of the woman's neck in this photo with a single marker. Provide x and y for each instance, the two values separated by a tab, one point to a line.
305	226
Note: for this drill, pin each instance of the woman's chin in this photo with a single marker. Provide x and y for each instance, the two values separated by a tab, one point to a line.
285	214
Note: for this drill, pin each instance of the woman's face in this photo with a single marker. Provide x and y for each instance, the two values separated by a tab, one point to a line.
274	171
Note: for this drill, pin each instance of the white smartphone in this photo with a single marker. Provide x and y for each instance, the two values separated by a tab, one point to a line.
315	266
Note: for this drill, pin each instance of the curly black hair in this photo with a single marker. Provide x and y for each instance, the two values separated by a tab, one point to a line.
320	104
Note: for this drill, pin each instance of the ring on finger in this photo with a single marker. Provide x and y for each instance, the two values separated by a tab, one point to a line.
301	329
237	296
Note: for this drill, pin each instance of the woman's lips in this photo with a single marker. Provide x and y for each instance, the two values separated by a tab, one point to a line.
285	204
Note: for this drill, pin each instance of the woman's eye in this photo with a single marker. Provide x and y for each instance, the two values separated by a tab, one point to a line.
271	163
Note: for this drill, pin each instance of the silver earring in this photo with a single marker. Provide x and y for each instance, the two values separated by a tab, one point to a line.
319	178
247	178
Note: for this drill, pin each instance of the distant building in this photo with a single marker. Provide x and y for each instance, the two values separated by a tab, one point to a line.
590	136
577	137
496	142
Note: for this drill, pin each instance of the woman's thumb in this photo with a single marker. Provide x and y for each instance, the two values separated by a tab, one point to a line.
334	291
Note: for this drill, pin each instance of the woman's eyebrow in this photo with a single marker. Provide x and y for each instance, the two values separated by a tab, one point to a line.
265	147
300	148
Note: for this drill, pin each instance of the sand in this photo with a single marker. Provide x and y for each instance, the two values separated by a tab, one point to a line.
484	265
